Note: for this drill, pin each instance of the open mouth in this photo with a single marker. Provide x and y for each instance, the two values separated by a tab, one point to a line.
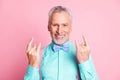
59	36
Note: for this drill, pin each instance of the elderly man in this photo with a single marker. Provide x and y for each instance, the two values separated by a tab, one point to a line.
61	60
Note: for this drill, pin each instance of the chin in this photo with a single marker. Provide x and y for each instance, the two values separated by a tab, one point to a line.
60	42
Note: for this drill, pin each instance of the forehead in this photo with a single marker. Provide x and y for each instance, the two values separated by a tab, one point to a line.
60	17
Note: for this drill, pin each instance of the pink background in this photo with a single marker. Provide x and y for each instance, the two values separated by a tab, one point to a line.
98	20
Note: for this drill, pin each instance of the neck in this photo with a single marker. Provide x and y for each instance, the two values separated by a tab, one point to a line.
60	44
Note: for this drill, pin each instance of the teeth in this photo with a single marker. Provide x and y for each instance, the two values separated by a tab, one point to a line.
59	36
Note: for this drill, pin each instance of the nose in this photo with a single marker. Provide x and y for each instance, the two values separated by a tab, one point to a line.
59	29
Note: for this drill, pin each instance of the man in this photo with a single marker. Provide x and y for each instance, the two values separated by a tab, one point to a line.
61	60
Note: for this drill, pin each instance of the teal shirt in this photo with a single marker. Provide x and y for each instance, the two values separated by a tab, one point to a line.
61	65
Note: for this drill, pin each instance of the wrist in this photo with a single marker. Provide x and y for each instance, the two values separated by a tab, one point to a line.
34	65
82	60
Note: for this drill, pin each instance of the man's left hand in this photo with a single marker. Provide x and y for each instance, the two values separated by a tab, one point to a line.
82	50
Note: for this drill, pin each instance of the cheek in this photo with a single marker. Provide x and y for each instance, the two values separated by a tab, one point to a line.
53	31
68	31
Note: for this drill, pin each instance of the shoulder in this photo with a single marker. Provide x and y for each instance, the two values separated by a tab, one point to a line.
48	48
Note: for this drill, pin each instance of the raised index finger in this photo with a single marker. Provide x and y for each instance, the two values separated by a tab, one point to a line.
30	44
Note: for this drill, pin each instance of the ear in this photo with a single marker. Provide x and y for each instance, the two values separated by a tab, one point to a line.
48	28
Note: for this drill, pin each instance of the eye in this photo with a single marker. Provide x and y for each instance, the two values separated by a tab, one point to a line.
54	25
65	25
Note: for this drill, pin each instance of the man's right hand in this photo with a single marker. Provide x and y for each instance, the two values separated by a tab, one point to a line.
33	54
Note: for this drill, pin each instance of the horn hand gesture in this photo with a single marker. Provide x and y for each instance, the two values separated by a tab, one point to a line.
82	51
33	54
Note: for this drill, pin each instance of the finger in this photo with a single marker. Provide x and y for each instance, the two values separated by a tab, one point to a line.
31	41
33	50
78	46
38	48
30	44
81	44
84	41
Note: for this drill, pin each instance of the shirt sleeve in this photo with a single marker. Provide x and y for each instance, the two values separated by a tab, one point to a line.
32	73
87	70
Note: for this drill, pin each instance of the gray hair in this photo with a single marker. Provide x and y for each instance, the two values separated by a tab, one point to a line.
58	9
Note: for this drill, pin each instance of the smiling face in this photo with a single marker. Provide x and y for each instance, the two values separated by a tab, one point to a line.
60	27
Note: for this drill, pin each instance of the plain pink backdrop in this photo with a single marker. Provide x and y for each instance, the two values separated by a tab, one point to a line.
98	20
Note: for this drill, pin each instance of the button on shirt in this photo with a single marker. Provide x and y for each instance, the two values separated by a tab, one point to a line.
61	65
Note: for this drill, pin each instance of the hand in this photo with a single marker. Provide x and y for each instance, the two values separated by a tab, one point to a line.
82	51
33	54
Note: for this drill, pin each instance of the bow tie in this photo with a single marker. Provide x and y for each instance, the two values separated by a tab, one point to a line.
60	47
